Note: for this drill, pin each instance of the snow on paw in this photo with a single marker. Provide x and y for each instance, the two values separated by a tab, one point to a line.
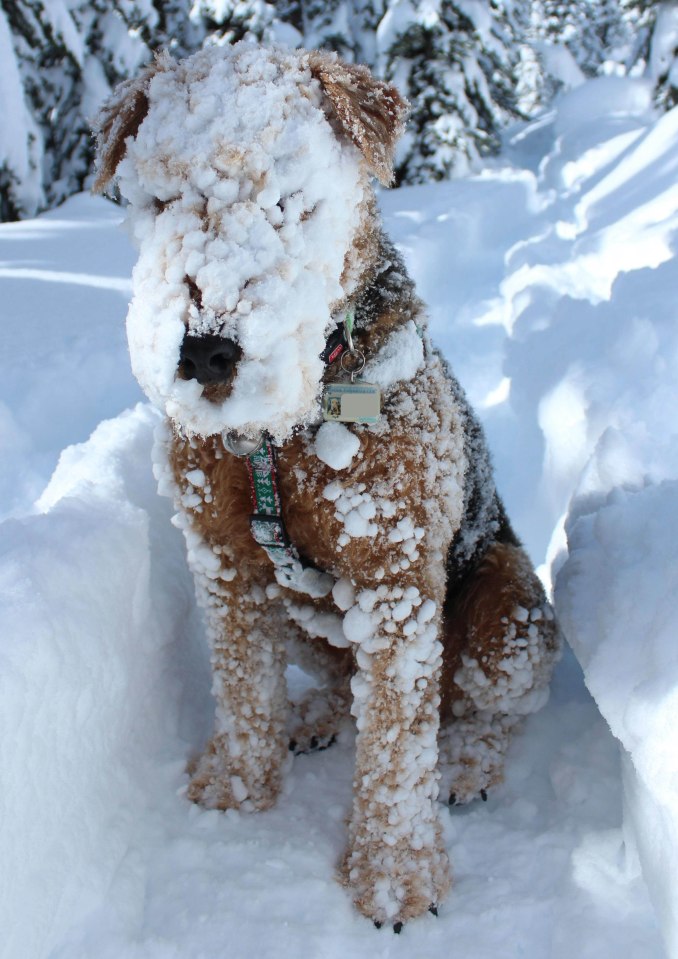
471	756
306	741
393	883
216	785
316	719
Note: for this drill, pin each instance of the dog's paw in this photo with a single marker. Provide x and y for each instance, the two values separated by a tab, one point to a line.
304	742
465	782
215	784
392	884
314	722
462	800
471	754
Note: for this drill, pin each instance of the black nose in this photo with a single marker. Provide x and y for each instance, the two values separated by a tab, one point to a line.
208	359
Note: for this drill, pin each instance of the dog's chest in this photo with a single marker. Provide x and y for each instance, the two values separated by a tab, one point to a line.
405	474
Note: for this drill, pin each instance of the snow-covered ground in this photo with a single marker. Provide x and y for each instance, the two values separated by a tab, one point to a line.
551	279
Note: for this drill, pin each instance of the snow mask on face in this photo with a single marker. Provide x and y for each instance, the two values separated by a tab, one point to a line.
247	173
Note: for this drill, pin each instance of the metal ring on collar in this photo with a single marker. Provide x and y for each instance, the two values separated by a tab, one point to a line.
361	361
241	445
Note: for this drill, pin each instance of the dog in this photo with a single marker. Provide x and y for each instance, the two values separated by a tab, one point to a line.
333	485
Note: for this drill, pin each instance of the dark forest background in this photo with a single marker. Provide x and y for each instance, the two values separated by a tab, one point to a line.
470	68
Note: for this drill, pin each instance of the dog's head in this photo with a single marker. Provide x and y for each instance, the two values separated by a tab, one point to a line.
247	172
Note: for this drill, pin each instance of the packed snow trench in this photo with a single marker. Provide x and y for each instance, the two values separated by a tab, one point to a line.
551	278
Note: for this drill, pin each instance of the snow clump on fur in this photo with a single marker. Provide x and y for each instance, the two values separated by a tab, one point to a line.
241	233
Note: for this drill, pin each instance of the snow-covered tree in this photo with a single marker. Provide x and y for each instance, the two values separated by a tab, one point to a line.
20	137
459	64
227	21
315	24
468	67
655	52
58	60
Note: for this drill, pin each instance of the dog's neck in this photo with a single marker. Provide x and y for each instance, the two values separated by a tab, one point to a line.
384	300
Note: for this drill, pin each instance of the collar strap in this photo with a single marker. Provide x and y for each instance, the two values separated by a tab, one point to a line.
266	521
268	527
336	345
340	339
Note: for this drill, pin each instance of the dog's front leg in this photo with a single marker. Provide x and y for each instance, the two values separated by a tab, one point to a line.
396	864
242	764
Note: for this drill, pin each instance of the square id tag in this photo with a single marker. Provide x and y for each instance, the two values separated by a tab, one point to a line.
352	402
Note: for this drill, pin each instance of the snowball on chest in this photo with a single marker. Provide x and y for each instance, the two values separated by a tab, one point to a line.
336	446
399	359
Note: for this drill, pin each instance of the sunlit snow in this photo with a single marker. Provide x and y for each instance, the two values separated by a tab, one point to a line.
567	342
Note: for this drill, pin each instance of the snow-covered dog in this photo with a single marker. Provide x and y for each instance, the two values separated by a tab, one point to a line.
379	555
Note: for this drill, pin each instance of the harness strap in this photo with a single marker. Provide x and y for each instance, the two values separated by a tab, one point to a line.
266	521
268	527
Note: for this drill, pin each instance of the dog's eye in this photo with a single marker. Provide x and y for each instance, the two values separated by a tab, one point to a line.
295	204
161	205
194	291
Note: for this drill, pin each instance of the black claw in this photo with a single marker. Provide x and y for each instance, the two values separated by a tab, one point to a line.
483	795
452	801
397	928
433	910
314	745
377	924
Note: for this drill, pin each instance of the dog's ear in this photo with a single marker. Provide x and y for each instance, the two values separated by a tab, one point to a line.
119	118
371	113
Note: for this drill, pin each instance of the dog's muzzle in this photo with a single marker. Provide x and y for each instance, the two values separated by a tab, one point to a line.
208	359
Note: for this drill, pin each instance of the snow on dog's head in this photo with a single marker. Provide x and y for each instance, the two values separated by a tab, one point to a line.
247	173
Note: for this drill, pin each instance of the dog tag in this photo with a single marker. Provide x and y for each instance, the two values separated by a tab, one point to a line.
352	402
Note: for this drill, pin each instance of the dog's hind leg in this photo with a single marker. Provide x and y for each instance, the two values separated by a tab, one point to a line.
501	642
243	763
316	717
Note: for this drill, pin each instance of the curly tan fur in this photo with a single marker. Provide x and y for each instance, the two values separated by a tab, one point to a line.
120	118
438	611
371	113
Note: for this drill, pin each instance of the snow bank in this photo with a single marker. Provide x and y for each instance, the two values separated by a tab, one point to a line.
618	599
89	690
593	362
65	282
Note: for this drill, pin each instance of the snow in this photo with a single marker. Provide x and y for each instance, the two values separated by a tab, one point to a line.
554	270
618	591
336	445
398	360
234	181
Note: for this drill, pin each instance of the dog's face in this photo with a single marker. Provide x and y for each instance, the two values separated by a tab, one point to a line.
248	181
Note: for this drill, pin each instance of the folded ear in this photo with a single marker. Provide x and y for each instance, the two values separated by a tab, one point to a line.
371	113
119	118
